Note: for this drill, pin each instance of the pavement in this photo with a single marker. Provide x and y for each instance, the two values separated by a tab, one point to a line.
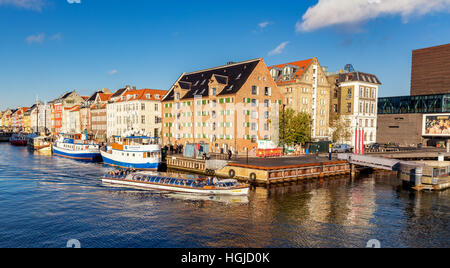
282	161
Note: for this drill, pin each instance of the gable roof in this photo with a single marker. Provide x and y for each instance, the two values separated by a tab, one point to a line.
104	96
143	94
300	67
233	75
119	92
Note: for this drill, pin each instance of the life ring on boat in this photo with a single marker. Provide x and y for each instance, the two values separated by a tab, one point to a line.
231	173
252	177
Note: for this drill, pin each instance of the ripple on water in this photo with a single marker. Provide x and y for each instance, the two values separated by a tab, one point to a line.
45	201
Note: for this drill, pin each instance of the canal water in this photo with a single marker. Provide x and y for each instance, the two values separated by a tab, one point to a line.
46	201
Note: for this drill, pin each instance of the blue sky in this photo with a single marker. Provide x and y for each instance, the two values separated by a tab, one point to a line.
48	47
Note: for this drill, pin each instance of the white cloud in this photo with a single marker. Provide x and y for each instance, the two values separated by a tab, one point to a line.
36	5
38	38
112	72
263	25
337	12
279	49
74	1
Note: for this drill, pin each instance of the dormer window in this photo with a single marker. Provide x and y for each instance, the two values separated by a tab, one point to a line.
148	96
213	91
157	96
177	96
274	72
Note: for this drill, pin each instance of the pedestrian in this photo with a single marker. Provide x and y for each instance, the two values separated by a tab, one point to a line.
230	154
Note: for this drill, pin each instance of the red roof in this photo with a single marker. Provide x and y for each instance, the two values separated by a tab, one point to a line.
302	66
143	94
85	97
104	96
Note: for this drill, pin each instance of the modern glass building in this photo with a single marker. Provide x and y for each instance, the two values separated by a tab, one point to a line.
426	104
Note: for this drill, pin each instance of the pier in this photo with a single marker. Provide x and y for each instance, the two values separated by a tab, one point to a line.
265	171
419	175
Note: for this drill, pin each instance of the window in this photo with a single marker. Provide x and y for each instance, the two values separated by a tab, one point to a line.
335	108
214	91
177	96
156	107
349	93
143	106
254	90
267	91
349	107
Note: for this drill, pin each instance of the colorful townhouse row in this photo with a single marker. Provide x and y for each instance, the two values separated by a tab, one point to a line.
228	107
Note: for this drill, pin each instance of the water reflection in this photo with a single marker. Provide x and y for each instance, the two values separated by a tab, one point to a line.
44	201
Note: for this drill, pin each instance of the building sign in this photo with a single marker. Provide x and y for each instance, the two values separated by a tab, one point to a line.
436	125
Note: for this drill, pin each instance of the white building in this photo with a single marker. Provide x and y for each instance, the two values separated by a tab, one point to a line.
355	98
135	110
40	117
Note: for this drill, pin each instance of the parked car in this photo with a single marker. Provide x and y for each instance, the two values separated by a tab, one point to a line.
374	146
392	145
341	148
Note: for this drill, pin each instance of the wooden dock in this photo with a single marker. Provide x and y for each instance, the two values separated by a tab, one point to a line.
266	171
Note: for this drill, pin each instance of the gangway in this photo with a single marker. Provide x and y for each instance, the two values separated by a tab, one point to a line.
372	161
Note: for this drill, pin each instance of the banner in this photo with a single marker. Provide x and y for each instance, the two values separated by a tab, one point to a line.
436	125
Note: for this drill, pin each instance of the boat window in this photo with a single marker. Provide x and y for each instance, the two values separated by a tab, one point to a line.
172	181
157	179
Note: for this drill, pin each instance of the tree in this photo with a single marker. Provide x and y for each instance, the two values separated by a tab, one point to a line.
341	129
294	127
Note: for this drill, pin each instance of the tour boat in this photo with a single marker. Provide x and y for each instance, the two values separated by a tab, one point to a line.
176	183
18	140
5	136
39	143
133	151
77	147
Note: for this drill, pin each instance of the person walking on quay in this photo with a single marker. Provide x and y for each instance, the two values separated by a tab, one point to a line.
230	154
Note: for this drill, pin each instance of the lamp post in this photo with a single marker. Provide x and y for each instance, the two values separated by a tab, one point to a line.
284	127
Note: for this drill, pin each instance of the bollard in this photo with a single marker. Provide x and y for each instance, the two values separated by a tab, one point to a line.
418	176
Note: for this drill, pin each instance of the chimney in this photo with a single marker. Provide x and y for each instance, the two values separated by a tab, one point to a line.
127	86
230	62
134	88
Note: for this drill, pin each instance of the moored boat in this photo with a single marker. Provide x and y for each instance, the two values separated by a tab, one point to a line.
135	150
78	147
176	183
5	136
39	143
18	140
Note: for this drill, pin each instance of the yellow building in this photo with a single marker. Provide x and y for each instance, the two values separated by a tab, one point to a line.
27	121
305	88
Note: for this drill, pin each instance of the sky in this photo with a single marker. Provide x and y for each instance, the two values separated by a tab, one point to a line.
49	47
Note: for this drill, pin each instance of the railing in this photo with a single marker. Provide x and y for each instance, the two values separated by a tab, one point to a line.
302	172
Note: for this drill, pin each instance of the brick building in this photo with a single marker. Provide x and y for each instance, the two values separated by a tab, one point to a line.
99	115
430	72
406	120
305	88
228	107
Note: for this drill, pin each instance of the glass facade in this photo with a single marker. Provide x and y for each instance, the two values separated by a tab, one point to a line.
415	104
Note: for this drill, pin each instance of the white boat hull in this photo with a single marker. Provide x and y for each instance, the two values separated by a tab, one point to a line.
233	191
